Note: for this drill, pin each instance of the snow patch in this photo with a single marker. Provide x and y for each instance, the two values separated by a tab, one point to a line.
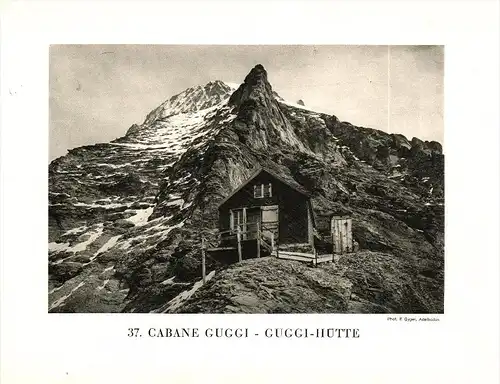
102	286
178	300
395	175
62	299
185	206
75	231
58	247
138	146
161	235
113	165
55	289
84	244
108	245
141	217
178	202
233	86
105	206
141	238
108	269
168	281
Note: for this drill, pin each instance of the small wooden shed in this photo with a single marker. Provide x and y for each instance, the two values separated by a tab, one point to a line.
341	227
281	207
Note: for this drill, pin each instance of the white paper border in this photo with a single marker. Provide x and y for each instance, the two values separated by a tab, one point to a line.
461	348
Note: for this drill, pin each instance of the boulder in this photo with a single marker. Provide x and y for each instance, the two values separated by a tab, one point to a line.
124	223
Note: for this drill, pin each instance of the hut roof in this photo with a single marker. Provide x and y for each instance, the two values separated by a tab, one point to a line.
284	179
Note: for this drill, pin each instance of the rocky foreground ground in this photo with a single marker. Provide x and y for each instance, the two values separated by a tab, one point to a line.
363	282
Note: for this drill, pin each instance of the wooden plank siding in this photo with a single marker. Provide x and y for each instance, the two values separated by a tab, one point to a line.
341	234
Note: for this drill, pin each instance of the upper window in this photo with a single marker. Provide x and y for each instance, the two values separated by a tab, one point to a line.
262	190
267	190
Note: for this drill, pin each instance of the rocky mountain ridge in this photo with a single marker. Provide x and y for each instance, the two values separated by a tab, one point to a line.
125	217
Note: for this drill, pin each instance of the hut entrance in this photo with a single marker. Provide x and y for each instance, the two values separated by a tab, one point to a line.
270	221
247	219
253	217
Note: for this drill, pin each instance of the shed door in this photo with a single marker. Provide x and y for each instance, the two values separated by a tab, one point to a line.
270	221
342	235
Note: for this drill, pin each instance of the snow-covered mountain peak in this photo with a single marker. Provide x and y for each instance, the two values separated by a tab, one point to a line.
232	85
193	99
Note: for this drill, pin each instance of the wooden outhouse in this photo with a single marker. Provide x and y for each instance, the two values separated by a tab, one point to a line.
341	227
279	207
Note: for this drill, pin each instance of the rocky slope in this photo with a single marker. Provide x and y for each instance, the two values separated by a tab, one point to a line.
125	217
365	282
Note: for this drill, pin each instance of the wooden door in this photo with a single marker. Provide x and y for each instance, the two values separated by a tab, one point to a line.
253	217
341	235
237	219
270	221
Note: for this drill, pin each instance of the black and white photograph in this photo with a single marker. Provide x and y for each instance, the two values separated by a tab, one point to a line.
246	179
246	191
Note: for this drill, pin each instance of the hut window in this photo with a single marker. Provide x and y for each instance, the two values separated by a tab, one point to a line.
267	190
258	191
262	190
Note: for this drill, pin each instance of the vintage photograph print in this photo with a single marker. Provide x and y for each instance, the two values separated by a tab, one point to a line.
246	179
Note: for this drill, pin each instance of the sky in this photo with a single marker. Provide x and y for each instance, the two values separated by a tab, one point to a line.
98	91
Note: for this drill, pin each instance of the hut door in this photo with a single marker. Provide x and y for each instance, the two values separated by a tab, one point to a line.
237	219
253	217
270	221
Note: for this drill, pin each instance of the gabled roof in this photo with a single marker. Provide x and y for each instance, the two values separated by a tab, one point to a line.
291	183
